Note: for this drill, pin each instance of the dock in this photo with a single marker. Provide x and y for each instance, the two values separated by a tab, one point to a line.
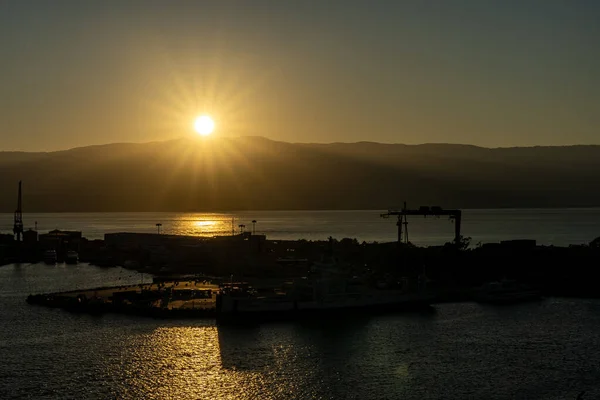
182	266
195	299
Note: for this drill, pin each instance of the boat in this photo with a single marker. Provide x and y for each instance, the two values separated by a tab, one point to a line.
72	257
50	257
506	292
328	291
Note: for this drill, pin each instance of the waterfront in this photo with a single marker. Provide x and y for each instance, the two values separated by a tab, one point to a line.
559	227
546	350
542	350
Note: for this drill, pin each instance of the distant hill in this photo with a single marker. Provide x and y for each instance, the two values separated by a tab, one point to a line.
257	173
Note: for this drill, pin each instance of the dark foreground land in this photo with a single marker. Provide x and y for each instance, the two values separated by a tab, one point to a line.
452	271
558	270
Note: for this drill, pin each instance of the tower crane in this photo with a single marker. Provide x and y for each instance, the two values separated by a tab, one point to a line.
18	226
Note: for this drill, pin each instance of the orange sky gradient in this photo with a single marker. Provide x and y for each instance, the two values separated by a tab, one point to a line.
502	73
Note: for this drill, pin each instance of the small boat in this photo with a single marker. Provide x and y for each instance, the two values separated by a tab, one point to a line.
50	257
72	257
506	292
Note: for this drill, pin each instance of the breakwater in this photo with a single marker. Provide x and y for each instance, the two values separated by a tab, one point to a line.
159	300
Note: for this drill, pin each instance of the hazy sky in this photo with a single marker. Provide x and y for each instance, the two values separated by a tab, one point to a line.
490	73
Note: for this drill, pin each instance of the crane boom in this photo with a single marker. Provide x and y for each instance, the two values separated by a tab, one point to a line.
455	215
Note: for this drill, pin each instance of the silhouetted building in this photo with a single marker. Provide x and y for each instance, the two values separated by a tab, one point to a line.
130	240
30	238
60	241
6	238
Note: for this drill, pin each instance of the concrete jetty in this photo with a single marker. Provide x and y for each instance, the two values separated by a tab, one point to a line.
165	299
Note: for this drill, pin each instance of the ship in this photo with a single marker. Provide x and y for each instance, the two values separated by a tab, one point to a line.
328	291
506	291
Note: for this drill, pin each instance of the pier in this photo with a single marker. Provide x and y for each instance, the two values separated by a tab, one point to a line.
165	299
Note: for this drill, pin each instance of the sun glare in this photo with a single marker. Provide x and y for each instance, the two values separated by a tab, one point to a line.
205	223
204	125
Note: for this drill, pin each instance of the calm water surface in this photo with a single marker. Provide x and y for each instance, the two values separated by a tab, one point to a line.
548	226
546	350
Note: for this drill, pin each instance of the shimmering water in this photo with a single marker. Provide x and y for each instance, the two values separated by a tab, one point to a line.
546	350
548	226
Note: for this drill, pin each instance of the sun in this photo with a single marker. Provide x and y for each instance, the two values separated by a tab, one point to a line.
204	125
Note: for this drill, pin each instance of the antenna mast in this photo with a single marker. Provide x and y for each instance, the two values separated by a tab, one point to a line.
18	227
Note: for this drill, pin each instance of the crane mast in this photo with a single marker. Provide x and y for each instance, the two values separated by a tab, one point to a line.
18	226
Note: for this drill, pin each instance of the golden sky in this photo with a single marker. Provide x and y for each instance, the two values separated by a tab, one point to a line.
493	73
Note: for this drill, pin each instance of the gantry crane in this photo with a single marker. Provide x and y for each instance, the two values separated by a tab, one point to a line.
18	226
425	211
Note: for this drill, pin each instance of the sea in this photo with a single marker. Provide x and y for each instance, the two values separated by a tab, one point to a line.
543	350
558	227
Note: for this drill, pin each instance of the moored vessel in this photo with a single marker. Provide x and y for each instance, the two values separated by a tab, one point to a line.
328	291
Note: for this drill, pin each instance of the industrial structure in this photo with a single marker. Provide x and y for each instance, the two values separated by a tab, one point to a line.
18	226
455	215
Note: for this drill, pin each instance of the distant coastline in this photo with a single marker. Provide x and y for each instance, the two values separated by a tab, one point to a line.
253	173
560	227
220	211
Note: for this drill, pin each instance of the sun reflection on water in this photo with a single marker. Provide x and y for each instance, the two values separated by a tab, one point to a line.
205	223
210	362
202	225
184	363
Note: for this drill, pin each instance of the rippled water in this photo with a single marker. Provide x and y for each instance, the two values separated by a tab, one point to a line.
548	226
546	350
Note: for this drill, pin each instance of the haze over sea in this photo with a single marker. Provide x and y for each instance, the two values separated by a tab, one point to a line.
559	227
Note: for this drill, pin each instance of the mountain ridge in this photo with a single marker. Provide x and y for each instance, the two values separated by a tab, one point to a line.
246	173
263	138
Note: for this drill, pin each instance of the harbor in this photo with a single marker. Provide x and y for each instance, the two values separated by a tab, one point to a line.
248	277
190	273
247	274
160	289
299	200
327	291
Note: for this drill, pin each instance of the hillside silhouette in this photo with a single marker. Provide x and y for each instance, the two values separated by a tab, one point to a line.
256	173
